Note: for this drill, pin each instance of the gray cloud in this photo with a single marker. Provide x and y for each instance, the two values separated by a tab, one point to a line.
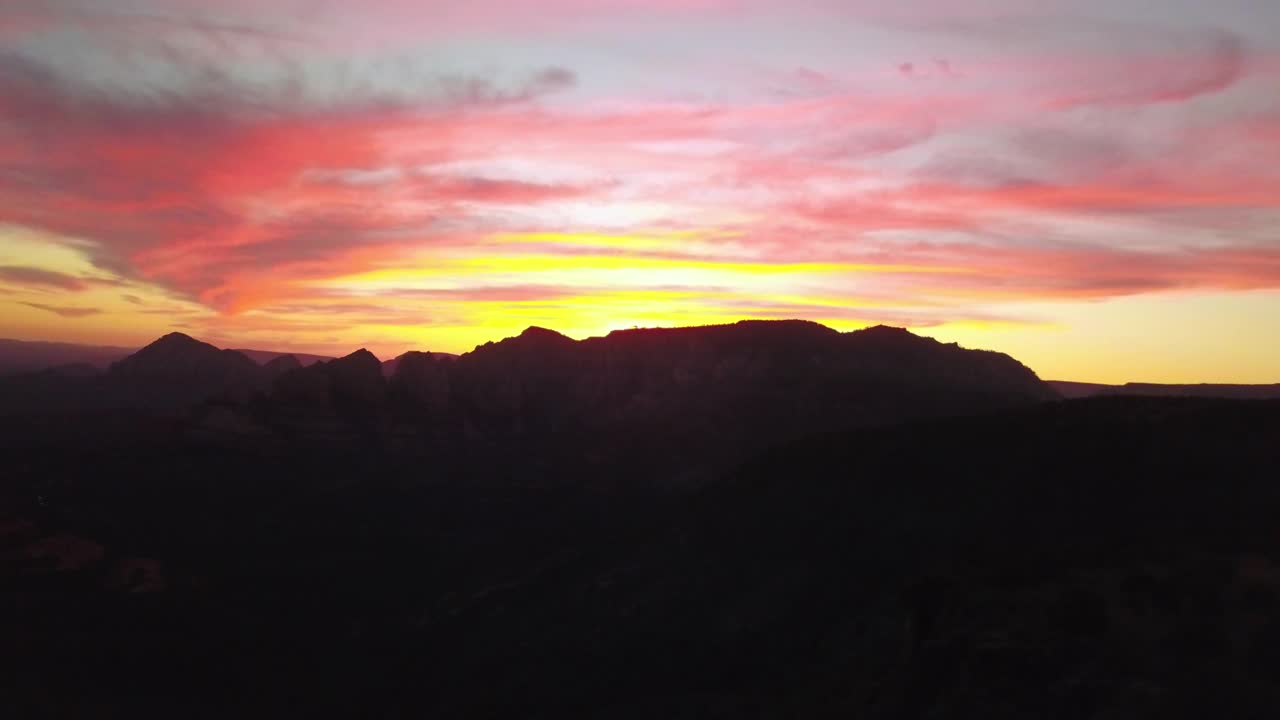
37	277
66	312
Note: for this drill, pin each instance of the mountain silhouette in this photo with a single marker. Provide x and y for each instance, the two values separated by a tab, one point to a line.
347	385
26	356
177	371
264	357
389	366
280	365
706	395
182	356
776	371
541	407
677	406
421	380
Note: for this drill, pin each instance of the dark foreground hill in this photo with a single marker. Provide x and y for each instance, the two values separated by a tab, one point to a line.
1105	558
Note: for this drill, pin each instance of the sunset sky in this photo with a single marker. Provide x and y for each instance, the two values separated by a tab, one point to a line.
1091	186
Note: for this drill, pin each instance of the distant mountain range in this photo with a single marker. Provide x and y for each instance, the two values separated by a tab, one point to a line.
22	356
1204	390
25	356
540	407
18	356
262	357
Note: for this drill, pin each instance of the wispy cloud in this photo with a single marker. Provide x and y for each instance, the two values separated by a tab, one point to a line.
36	277
66	312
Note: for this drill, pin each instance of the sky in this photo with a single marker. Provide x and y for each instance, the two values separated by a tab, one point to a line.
1090	186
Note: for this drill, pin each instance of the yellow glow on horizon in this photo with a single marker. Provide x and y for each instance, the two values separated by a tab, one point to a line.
1179	338
1167	337
610	271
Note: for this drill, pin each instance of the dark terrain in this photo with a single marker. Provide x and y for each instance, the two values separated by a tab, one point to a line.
759	520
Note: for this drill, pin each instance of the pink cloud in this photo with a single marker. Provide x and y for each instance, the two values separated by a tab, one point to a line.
1216	64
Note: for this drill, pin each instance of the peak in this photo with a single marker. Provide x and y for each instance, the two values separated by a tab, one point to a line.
533	331
788	327
362	354
420	355
283	362
781	323
362	359
888	333
413	360
178	354
886	330
535	336
177	344
177	338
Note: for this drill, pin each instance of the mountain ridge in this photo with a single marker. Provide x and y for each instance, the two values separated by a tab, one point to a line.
540	407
